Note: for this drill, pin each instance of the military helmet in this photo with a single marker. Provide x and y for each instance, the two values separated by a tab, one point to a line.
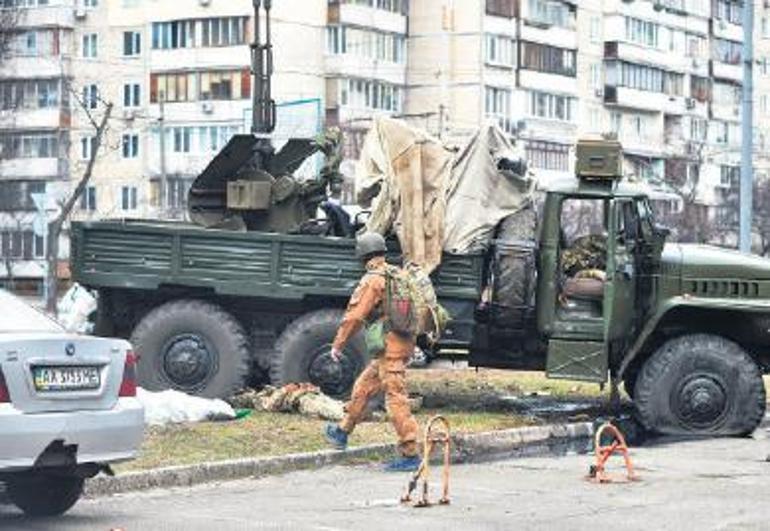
370	243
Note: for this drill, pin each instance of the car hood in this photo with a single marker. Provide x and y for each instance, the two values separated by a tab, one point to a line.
708	262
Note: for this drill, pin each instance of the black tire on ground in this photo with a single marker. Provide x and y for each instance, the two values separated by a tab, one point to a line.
700	384
192	346
40	494
302	354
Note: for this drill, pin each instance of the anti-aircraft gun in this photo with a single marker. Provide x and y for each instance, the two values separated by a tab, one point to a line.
250	186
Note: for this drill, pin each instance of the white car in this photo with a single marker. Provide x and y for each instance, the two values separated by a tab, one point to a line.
68	408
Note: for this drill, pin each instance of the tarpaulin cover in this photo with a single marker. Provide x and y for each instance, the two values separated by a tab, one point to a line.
434	200
403	173
480	194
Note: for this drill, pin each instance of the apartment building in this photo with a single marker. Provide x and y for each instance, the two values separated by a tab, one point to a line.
36	72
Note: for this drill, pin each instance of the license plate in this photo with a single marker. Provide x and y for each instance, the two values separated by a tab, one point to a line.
66	378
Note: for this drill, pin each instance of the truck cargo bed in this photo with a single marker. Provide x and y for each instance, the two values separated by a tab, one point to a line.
148	255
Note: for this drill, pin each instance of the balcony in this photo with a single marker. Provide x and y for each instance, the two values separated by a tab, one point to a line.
547	82
47	66
733	72
365	16
51	118
46	168
348	65
633	53
644	100
48	16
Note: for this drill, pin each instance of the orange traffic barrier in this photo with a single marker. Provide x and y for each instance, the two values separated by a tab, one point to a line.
436	432
598	472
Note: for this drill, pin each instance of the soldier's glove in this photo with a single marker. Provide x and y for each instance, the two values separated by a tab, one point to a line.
336	355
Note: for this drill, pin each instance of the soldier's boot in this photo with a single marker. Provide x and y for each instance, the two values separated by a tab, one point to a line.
336	436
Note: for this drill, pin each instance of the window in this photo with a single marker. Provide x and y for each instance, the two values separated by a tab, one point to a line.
29	146
132	43
192	86
698	129
551	106
128	198
700	88
21	244
130	146
132	96
642	77
729	10
90	45
365	94
91	96
726	93
497	102
29	46
549	59
90	3
500	50
727	51
501	8
176	193
87	147
29	94
213	138
552	13
88	199
616	123
372	44
182	137
642	32
597	82
548	155
596	30
223	31
17	195
697	46
172	35
729	176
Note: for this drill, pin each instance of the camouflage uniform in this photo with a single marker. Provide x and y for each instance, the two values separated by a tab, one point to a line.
586	252
386	373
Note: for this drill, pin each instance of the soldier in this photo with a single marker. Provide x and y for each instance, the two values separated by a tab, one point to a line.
387	371
586	253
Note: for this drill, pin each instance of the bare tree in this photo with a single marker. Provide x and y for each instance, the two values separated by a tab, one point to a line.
56	226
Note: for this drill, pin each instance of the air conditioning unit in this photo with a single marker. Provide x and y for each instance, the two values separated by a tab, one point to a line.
599	93
204	3
80	11
689	103
207	107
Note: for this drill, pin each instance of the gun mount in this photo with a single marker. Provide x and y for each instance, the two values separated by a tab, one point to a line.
250	186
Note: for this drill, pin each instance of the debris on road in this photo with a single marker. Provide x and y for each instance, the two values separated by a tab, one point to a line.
169	407
75	307
436	432
597	473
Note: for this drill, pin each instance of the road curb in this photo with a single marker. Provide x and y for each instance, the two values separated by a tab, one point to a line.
466	447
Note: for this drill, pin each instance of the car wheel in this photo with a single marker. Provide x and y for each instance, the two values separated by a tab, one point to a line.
700	384
192	346
40	494
303	354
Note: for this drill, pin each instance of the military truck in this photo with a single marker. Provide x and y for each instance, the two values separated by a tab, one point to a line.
685	328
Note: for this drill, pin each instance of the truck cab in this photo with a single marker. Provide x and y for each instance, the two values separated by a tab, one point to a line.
611	299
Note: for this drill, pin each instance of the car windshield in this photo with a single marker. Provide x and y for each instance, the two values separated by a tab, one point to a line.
18	316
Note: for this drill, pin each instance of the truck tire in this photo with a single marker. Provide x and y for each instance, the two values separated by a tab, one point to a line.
192	346
700	384
302	354
40	494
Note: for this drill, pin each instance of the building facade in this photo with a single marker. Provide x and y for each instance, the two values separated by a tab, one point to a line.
663	76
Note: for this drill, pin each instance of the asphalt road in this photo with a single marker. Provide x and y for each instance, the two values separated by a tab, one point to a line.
692	485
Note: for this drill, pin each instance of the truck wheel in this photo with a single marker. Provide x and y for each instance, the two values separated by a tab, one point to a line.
39	494
700	384
192	346
302	354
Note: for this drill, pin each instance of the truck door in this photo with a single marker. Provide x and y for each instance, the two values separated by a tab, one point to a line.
622	271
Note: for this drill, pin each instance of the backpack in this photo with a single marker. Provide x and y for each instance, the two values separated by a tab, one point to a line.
411	305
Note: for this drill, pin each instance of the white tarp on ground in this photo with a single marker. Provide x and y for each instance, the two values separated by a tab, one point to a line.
480	195
403	172
433	200
169	407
